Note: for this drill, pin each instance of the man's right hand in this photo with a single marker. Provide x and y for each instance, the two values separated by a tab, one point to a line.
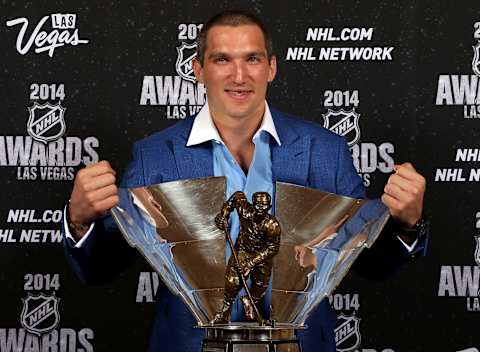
94	193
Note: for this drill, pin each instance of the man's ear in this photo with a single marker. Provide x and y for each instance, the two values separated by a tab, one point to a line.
198	70
273	68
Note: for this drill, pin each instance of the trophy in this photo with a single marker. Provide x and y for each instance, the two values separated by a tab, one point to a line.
277	268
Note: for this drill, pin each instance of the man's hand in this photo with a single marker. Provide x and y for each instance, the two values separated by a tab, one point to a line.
404	195
94	193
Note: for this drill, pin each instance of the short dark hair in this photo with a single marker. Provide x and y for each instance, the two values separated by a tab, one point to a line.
232	18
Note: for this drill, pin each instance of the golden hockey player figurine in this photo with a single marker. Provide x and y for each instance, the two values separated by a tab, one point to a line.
252	255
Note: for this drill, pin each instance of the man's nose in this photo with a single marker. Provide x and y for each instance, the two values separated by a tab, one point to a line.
239	73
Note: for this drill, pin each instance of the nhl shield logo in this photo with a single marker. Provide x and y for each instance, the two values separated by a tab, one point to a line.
347	333
344	123
46	122
476	254
476	59
40	313
185	55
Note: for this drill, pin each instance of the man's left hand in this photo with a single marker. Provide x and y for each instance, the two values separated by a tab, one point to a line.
404	195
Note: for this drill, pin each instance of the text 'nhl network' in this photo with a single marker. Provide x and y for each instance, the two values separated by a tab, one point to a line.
328	34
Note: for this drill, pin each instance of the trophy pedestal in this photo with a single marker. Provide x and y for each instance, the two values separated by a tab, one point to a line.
250	337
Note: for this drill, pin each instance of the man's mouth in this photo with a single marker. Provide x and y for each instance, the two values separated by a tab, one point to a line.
238	94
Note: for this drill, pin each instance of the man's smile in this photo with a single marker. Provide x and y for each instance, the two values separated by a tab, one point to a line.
239	94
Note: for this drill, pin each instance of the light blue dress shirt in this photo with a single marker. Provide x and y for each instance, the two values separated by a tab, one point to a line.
257	179
259	176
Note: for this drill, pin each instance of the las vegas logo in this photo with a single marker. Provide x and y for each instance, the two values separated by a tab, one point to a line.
64	32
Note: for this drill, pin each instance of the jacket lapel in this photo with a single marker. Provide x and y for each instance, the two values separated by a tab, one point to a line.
194	161
291	160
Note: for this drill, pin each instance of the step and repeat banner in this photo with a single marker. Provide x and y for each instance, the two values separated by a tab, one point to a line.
81	81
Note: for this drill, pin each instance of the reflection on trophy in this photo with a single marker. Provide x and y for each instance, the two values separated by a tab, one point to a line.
288	262
305	253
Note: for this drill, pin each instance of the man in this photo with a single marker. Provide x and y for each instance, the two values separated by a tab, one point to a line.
236	135
257	243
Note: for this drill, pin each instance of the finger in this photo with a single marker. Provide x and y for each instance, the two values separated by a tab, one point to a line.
398	193
99	182
99	168
102	193
106	204
404	165
405	184
391	203
408	172
99	163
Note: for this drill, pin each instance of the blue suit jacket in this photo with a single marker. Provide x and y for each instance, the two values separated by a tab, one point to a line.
309	155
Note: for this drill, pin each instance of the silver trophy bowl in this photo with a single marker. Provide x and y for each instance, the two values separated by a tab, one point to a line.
172	225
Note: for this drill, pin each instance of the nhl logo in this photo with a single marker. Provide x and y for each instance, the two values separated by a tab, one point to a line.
185	55
46	122
347	333
476	254
40	313
344	123
476	59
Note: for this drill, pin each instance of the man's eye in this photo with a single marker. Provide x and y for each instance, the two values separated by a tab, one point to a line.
253	59
220	60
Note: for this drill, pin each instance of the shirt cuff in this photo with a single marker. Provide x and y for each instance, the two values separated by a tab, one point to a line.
408	247
80	243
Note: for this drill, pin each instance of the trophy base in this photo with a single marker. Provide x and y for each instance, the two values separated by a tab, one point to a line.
250	337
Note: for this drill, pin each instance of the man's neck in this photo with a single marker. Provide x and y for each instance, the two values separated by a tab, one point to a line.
237	134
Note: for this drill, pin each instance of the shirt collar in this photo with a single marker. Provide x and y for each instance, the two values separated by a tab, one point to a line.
203	128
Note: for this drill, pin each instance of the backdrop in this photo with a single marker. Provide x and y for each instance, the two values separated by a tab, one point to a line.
81	81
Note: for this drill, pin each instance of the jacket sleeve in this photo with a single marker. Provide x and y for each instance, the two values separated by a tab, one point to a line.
347	181
388	253
105	253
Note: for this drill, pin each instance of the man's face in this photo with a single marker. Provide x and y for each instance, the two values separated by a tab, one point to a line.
236	71
261	204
